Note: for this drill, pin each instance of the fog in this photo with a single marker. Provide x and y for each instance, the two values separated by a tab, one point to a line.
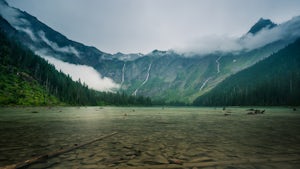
54	46
288	31
86	74
10	14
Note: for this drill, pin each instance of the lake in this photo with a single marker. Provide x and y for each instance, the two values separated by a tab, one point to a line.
151	137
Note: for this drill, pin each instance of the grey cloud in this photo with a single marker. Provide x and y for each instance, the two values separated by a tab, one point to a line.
287	31
133	26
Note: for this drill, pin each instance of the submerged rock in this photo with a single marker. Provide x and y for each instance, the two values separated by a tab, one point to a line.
175	161
256	111
134	162
156	160
201	159
90	166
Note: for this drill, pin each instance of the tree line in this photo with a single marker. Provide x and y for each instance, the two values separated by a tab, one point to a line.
17	58
274	81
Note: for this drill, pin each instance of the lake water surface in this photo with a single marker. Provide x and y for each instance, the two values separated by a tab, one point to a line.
152	137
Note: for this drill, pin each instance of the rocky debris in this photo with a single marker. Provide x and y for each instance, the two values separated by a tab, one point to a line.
87	161
227	114
255	111
201	159
155	146
259	111
159	159
134	162
90	166
150	153
175	161
194	153
114	160
182	157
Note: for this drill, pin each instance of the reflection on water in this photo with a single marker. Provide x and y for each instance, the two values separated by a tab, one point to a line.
170	137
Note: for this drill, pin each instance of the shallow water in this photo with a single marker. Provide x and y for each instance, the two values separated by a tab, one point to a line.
151	137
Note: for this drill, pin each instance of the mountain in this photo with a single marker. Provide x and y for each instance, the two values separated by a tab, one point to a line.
262	24
27	79
161	75
271	82
41	38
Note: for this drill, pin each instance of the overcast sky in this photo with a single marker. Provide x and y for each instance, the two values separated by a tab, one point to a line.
132	26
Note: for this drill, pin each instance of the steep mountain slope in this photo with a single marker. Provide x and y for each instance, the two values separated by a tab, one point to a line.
262	24
27	79
41	38
273	81
175	77
166	75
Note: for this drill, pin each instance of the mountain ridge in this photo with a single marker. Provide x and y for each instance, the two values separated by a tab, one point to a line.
172	76
262	84
262	24
29	80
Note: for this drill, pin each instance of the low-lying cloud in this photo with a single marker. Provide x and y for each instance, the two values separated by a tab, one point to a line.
54	46
287	31
28	31
86	74
12	15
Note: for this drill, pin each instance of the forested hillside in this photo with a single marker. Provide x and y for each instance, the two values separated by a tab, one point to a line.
273	81
27	79
167	75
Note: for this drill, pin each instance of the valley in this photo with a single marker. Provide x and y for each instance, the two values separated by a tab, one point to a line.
149	84
170	76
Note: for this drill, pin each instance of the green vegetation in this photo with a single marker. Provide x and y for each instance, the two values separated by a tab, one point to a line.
273	81
18	88
27	79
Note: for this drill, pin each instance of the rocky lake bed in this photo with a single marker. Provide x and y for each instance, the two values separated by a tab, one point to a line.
154	137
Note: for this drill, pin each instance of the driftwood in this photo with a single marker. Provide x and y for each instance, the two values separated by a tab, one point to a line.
53	154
